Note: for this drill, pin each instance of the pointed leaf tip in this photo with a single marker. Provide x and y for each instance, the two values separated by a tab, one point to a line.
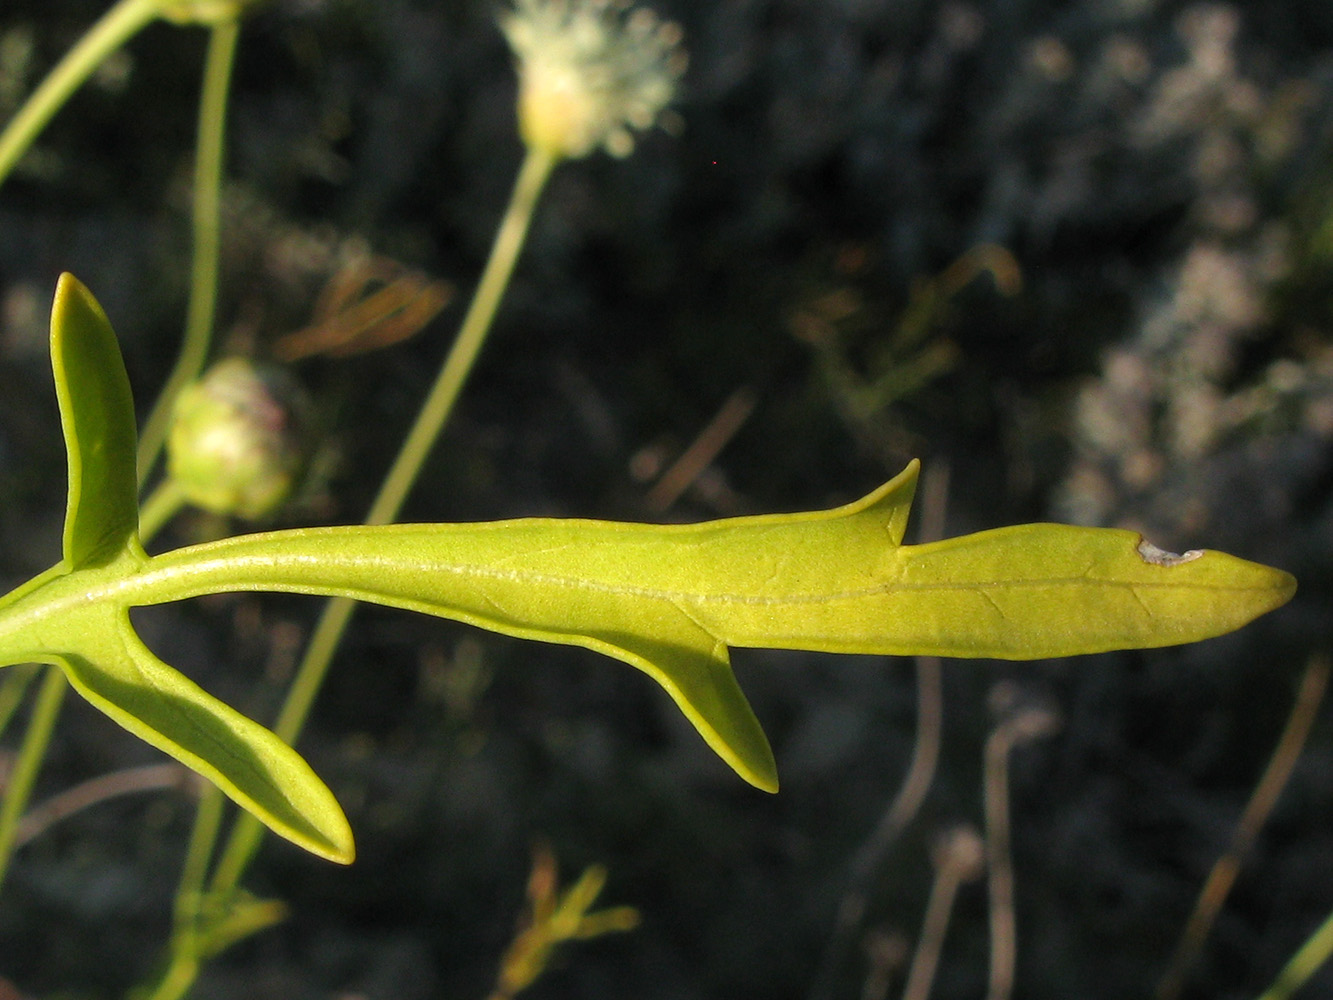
119	675
97	416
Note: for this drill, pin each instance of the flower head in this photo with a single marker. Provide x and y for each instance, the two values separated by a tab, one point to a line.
590	71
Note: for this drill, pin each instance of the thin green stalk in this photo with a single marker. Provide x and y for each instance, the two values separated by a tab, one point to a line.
207	221
537	167
167	500
194	872
532	177
1304	964
119	24
29	761
12	689
176	980
245	836
159	507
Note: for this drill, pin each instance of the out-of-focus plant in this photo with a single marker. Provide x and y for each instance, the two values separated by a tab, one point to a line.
865	381
554	918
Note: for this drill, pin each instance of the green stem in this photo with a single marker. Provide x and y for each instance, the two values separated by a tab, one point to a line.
160	507
208	161
108	34
29	761
12	689
532	177
176	980
183	965
189	896
439	404
1304	964
119	24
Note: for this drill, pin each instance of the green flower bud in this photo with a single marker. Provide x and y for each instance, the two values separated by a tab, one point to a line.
236	441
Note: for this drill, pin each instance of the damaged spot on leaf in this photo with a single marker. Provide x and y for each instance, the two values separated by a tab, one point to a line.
1151	554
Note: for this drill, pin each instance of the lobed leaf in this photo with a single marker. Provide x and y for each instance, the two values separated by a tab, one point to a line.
670	599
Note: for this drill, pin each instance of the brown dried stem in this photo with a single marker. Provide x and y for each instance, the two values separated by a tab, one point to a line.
1223	876
1022	726
959	857
150	778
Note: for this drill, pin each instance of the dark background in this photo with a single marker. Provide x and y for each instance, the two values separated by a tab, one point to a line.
1159	174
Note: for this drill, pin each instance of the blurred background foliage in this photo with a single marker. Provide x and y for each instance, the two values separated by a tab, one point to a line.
1077	254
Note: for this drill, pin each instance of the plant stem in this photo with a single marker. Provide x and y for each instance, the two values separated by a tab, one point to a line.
159	507
35	740
1304	964
246	835
1264	797
509	239
207	211
119	24
536	170
934	925
12	688
176	980
195	869
166	500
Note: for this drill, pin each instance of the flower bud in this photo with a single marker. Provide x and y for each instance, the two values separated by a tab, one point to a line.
235	445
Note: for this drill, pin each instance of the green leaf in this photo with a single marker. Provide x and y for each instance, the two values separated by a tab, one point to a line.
120	676
670	599
97	415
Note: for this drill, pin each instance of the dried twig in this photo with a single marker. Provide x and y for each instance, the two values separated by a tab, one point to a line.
701	453
1265	795
152	777
1021	726
959	857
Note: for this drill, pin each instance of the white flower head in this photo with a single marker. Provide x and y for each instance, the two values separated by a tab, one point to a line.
590	72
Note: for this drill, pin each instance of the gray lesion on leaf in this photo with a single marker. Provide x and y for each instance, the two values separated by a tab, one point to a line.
1151	554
